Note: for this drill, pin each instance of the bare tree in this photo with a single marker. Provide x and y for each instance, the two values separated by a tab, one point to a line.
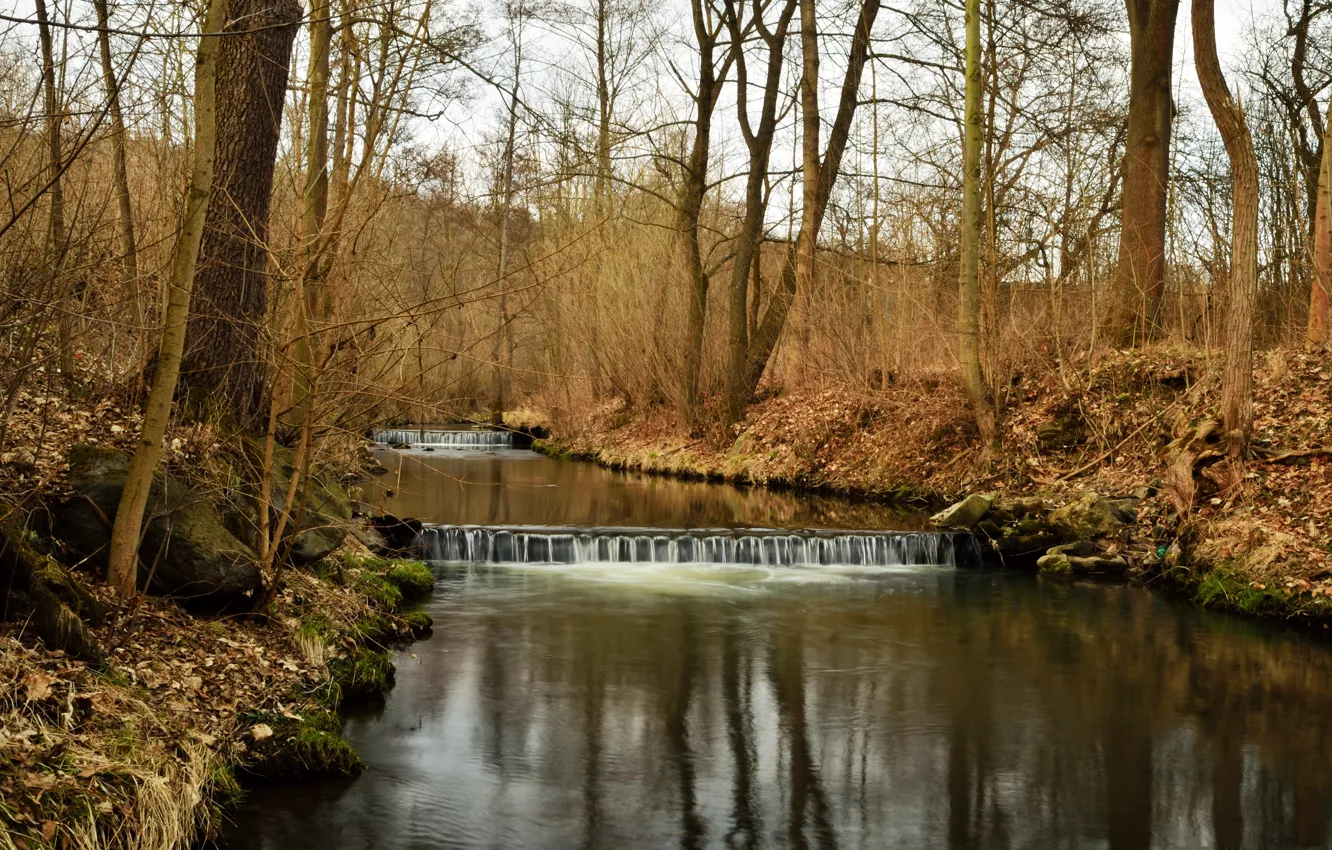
759	142
123	559
968	318
820	171
1140	274
1237	382
693	188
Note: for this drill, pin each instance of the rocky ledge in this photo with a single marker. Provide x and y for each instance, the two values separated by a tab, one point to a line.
1092	535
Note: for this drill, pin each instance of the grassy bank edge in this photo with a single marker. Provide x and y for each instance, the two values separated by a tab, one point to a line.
1217	585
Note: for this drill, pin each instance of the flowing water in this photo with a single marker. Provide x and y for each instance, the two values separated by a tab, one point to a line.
622	662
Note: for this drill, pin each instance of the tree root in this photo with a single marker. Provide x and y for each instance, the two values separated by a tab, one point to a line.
37	589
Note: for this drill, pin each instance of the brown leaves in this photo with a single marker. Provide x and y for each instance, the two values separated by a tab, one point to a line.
37	686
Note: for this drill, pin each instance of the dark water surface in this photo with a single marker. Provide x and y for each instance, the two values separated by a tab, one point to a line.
673	705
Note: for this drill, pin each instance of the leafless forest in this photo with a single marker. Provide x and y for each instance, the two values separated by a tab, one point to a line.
329	217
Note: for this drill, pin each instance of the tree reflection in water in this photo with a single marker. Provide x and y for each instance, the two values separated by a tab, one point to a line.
914	710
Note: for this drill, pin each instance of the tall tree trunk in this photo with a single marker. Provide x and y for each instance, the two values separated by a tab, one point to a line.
968	318
1321	287
798	269
759	142
314	203
1139	281
57	286
224	370
129	263
505	215
1237	383
122	564
603	105
692	190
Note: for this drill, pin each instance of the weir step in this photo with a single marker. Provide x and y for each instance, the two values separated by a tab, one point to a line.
759	547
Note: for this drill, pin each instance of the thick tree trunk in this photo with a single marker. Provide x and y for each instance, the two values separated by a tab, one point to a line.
123	559
1139	281
1237	383
224	370
1320	291
968	319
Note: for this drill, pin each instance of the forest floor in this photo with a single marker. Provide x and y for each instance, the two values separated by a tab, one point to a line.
150	748
1264	548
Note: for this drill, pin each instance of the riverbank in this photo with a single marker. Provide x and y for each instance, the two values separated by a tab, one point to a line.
1112	428
141	730
151	747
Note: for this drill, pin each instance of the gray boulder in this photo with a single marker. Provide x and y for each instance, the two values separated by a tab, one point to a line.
1092	516
187	552
964	514
320	515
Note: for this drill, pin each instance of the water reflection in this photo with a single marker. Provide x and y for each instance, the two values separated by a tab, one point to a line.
912	710
525	488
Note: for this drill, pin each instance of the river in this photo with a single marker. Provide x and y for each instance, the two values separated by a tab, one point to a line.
721	687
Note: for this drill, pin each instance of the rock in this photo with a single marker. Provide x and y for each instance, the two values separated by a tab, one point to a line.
1088	517
965	513
322	511
398	534
1055	564
187	551
1080	559
1030	508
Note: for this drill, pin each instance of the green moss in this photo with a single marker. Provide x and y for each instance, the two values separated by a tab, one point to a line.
222	790
1223	588
1227	590
418	623
413	579
315	628
376	587
308	747
374	628
365	562
367	674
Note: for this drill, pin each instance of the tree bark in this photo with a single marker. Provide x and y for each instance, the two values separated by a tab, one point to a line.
224	372
123	559
1237	382
968	319
1139	281
1321	287
502	272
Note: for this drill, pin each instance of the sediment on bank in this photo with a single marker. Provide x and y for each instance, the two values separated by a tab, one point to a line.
1111	429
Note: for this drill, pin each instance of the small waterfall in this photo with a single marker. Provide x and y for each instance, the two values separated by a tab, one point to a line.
527	545
461	439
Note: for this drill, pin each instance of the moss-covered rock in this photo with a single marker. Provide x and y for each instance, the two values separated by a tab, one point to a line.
366	674
413	579
297	746
1091	516
419	624
189	551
